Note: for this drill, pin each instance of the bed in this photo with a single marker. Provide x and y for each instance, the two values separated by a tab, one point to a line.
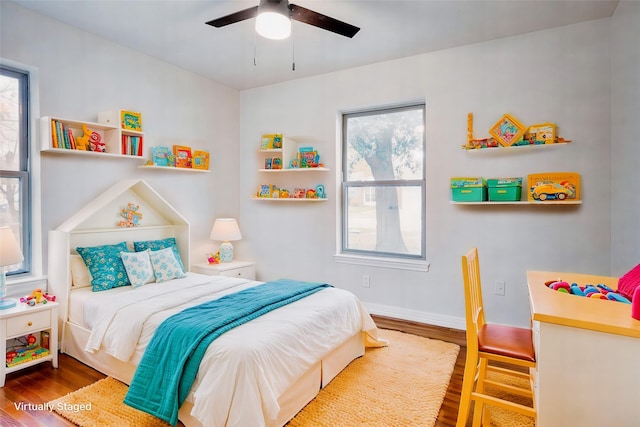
259	374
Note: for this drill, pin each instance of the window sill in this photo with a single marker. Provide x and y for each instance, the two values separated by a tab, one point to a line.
397	263
25	285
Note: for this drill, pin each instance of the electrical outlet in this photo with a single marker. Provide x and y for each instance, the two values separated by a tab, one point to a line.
500	287
365	281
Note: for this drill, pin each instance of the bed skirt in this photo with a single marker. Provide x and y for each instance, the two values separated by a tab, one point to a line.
75	337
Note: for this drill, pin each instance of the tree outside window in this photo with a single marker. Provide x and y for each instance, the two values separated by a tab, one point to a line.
384	182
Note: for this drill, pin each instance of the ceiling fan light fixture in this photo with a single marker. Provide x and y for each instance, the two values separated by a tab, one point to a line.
273	20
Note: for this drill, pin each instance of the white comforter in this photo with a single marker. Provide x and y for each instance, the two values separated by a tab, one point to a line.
246	369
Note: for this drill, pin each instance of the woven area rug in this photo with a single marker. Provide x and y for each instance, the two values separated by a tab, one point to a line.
403	384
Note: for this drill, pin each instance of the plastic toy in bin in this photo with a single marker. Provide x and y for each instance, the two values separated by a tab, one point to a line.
599	291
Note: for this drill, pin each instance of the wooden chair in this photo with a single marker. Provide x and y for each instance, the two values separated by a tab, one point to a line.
511	347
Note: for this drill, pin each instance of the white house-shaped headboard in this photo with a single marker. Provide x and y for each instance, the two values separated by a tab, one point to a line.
97	224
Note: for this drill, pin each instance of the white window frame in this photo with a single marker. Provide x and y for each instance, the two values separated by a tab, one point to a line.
371	259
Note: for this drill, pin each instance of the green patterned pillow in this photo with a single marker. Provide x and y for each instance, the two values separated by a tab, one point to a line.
106	267
156	245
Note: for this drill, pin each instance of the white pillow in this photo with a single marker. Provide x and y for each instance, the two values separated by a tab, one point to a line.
165	265
80	275
138	266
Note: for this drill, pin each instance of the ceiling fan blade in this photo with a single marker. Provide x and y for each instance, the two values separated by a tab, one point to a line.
234	17
319	20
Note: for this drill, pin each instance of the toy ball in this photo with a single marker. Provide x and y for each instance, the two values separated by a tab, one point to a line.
560	285
31	302
563	290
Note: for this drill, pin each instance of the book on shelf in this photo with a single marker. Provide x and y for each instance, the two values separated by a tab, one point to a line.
132	145
271	141
160	155
182	155
131	120
200	159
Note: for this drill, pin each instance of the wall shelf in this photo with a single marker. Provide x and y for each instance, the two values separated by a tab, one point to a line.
289	199
66	151
522	202
295	170
170	168
514	148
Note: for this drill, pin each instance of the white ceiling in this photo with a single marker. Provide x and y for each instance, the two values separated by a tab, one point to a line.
175	31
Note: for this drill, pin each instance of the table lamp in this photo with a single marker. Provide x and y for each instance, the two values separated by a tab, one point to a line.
225	230
10	254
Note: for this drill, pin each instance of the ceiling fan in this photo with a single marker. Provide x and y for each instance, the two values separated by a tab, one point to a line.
273	19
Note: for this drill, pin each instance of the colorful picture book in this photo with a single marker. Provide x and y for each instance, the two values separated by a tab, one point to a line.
200	159
131	120
183	156
271	141
160	155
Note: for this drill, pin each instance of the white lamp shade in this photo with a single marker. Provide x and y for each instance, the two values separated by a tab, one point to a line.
225	230
10	252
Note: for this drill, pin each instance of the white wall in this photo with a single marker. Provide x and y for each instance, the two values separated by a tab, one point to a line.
81	75
625	147
560	75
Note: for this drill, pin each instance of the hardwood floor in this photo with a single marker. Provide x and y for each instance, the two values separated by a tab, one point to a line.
41	383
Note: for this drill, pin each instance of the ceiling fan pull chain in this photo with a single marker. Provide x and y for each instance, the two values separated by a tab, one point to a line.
293	50
255	49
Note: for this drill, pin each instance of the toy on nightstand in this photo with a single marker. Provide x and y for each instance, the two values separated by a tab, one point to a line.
214	259
36	297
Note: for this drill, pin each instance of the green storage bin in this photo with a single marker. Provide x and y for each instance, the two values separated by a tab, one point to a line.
468	189
504	189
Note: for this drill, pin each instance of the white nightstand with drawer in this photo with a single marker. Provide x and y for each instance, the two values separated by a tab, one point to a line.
242	269
23	320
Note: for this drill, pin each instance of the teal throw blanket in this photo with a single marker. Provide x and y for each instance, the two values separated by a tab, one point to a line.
170	363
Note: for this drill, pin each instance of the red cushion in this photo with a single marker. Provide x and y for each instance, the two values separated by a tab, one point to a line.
629	282
507	341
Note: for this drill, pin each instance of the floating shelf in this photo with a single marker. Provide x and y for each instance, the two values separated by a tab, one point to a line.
522	202
170	168
288	199
75	152
514	147
295	170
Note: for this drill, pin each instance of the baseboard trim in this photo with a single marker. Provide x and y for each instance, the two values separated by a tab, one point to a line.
416	316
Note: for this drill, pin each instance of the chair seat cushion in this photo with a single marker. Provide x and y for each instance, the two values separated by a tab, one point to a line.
507	341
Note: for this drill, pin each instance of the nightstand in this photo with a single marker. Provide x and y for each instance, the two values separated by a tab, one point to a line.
243	269
24	320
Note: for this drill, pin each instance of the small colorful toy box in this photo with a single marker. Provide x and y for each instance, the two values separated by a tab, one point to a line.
553	186
504	189
468	189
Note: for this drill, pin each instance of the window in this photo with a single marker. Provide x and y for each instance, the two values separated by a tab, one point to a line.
14	161
383	182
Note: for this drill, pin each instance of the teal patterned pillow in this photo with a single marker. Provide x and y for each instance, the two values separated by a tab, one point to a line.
138	266
155	245
105	265
165	265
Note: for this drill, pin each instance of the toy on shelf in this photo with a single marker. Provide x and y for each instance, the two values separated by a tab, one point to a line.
37	297
508	132
599	291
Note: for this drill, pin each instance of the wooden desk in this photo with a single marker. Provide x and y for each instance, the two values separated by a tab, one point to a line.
588	355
